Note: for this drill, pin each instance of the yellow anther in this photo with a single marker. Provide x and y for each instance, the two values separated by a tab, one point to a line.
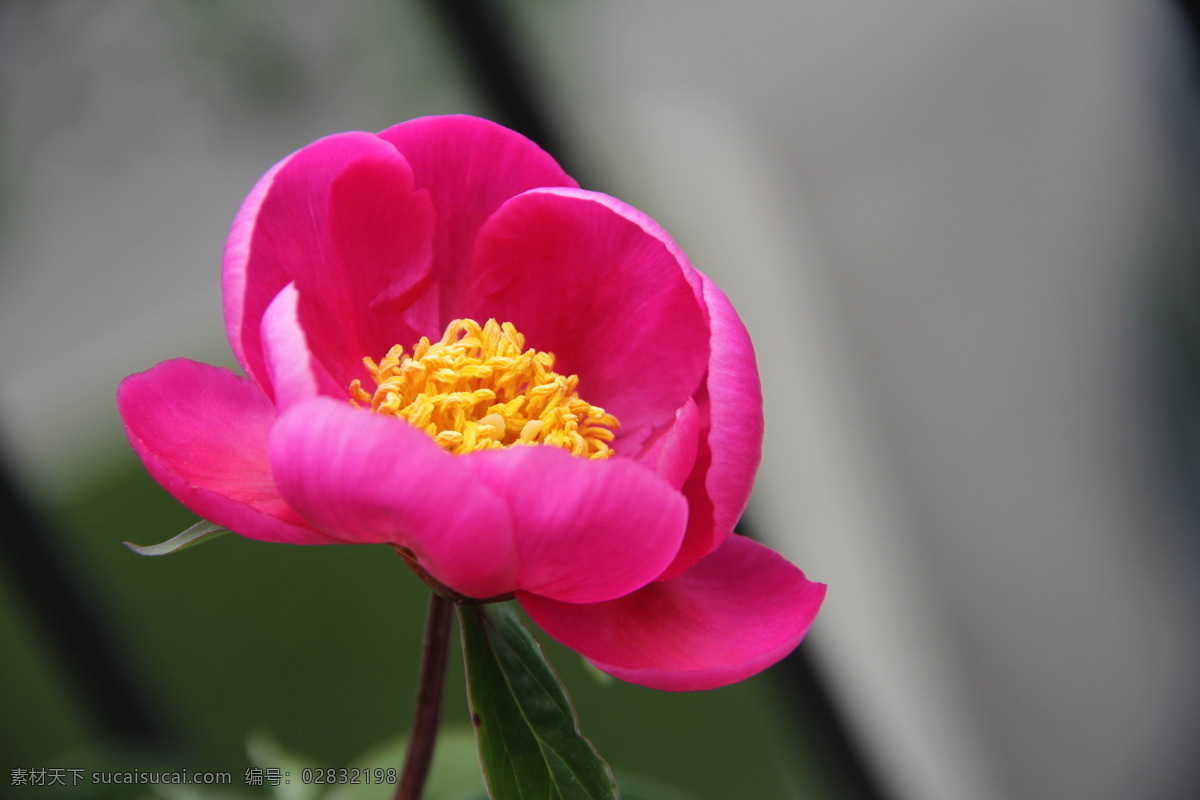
493	426
479	388
529	431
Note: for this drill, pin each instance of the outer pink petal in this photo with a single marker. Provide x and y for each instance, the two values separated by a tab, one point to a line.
608	299
246	288
341	219
584	530
731	435
365	477
202	433
735	613
735	411
294	372
470	166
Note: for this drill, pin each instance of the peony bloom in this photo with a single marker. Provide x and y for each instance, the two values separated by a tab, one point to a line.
522	386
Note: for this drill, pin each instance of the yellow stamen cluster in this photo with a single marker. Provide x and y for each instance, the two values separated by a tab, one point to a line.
479	388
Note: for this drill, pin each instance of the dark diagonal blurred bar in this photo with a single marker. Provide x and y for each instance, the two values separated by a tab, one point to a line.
73	626
484	38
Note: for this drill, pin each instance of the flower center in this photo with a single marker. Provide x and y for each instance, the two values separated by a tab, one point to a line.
480	389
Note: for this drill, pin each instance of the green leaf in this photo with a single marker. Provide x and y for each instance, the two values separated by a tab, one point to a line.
202	531
528	735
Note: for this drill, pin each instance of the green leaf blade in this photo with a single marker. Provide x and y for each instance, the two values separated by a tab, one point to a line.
202	531
527	732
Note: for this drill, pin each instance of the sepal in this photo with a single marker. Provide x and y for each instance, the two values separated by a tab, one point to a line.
202	531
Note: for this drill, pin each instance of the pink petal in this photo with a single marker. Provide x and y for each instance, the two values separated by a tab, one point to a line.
246	291
341	219
730	403
607	298
731	435
672	455
366	477
735	613
647	224
735	410
584	530
202	433
469	167
294	373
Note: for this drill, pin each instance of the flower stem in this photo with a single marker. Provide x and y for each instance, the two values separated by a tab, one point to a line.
423	736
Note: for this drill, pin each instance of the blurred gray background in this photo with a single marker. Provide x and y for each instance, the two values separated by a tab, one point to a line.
961	234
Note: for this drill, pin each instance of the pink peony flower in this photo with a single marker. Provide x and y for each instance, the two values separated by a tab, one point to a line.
522	386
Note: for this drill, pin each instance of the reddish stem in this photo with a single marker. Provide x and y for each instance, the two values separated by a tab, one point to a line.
428	711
